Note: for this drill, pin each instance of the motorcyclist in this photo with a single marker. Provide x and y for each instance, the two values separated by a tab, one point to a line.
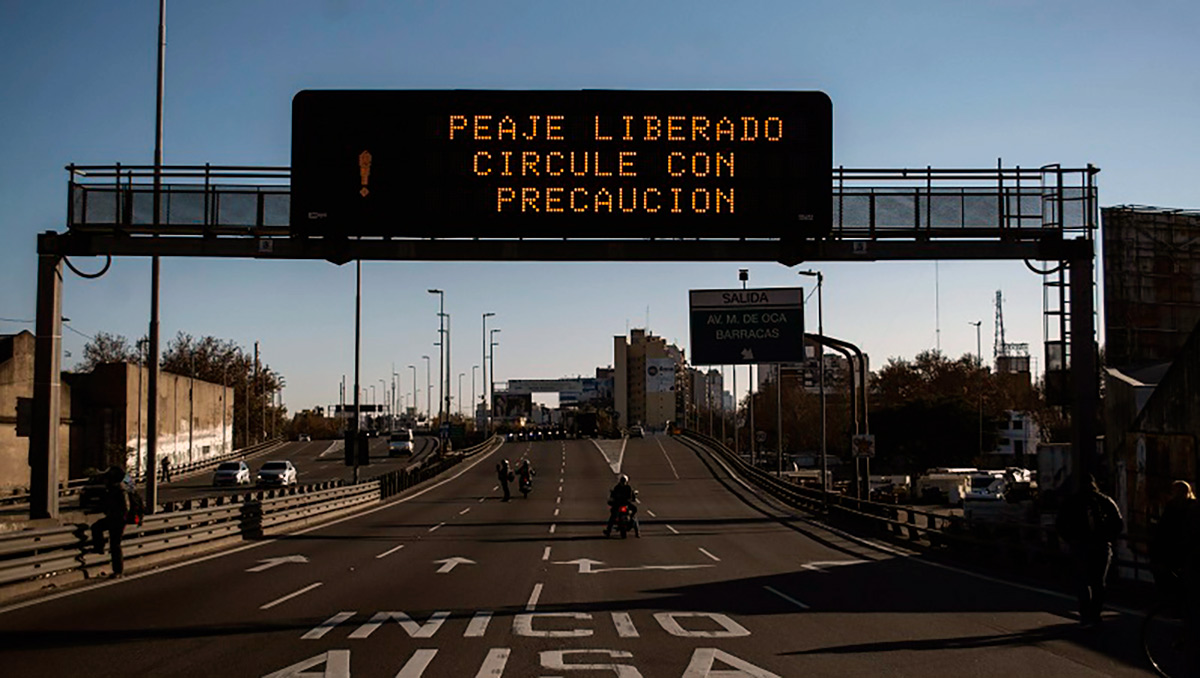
622	494
525	475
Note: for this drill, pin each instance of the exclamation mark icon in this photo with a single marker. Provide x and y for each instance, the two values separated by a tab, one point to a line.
364	171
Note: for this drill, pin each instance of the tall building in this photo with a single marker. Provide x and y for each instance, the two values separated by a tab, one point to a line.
645	369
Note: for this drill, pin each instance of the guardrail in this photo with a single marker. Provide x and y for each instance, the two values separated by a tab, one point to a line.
1028	546
73	487
32	555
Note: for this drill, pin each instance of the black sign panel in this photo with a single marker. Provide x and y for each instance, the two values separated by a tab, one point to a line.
561	164
744	327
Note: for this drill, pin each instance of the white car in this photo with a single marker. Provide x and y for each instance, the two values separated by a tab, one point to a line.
232	473
277	473
400	442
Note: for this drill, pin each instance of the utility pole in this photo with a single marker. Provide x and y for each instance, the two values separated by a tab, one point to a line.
415	402
979	364
261	389
487	417
442	343
492	357
357	364
152	386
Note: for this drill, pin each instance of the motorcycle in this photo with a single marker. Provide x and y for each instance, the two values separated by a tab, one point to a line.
624	519
526	485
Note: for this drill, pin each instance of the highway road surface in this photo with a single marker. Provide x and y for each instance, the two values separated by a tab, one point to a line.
315	461
454	583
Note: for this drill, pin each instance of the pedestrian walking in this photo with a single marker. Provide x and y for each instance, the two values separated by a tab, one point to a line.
1089	522
115	505
505	475
166	469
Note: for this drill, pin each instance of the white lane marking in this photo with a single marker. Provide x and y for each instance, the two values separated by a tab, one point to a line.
614	464
558	501
289	596
493	665
560	489
482	499
710	555
552	527
389	552
435	527
672	529
624	624
480	458
495	488
546	554
650	513
823	565
664	451
416	665
531	605
464	511
478	625
788	598
448	564
555	513
318	632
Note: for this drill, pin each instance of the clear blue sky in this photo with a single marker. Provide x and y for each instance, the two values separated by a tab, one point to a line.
947	84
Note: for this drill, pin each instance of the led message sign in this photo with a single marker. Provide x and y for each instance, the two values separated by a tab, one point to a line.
561	164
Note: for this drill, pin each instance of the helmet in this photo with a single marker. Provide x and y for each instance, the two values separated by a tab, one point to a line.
624	479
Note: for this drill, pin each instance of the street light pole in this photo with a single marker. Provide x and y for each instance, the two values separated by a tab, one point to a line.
460	376
492	357
415	403
442	347
428	389
487	417
357	363
821	371
979	364
474	403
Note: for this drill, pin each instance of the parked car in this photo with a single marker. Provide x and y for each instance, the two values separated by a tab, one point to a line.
400	442
277	473
232	473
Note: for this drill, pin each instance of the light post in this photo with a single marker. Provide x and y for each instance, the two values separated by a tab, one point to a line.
428	389
396	406
492	357
487	417
460	376
474	403
415	402
821	371
442	343
979	364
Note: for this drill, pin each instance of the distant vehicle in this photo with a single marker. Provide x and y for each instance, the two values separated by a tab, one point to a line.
232	473
987	486
944	485
305	438
277	473
400	443
637	432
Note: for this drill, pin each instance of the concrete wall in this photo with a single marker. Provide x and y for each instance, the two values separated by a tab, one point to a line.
16	381
190	427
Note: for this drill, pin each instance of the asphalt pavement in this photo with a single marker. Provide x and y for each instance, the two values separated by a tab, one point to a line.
452	582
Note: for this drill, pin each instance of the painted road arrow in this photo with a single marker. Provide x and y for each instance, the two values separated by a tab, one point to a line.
268	563
587	566
449	564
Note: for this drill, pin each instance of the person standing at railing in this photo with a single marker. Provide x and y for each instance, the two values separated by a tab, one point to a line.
115	505
166	469
1090	522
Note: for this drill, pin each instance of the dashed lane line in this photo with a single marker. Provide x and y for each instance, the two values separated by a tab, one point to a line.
464	511
435	527
650	513
788	598
389	552
555	513
533	597
289	596
482	499
546	554
553	526
673	530
664	451
558	501
710	555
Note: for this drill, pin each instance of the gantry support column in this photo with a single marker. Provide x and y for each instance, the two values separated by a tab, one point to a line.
1084	377
47	387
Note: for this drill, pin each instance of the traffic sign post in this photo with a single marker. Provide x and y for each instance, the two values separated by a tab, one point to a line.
747	327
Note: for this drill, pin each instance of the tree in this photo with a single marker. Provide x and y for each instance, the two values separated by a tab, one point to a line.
221	361
106	348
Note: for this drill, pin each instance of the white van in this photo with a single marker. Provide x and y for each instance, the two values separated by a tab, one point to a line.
400	442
